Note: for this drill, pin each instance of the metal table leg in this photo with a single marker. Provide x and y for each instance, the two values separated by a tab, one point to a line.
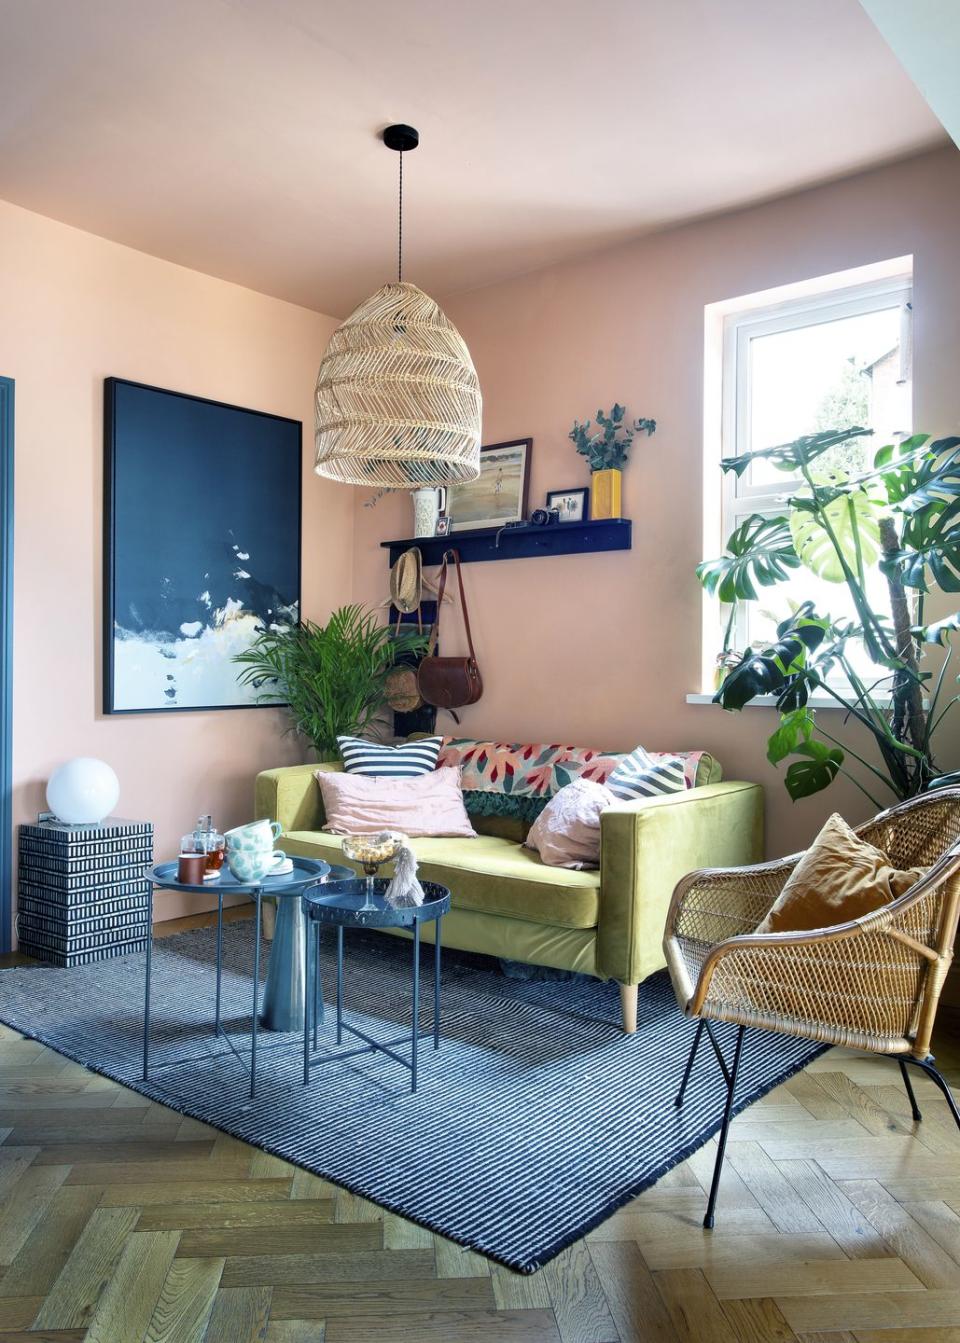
317	1002
311	969
146	991
436	983
258	895
219	956
339	983
415	1029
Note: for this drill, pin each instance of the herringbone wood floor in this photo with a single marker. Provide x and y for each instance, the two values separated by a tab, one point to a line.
121	1221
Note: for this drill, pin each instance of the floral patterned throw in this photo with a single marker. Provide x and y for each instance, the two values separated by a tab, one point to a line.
538	770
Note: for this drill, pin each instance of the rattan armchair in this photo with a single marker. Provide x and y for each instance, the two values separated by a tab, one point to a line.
871	984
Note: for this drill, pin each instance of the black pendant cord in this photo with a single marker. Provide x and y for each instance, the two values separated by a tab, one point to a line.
402	139
400	226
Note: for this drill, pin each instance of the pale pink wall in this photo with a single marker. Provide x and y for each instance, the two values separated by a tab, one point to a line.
602	649
73	310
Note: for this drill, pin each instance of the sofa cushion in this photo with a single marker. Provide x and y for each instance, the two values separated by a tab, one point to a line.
427	804
406	761
532	770
488	874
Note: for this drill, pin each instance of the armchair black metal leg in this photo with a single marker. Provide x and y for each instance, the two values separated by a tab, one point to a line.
690	1060
934	1073
724	1129
915	1109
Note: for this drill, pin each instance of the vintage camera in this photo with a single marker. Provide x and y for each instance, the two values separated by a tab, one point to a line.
544	517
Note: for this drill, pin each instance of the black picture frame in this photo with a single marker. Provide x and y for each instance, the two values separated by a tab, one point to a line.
581	492
181	472
467	497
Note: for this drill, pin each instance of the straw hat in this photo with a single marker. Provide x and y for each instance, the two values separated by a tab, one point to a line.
406	581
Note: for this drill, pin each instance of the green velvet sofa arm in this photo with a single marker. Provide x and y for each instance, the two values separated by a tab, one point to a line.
646	847
291	796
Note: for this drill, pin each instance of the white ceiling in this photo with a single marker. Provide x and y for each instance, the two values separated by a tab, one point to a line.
239	137
925	36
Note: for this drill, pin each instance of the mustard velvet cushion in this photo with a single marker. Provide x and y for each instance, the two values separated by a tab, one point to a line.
490	875
839	878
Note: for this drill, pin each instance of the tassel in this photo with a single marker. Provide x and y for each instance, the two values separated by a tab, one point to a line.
404	888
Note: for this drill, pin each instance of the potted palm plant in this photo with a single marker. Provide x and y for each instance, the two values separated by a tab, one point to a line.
886	667
331	677
607	451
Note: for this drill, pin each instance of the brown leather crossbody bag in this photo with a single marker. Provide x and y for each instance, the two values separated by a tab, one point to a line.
449	683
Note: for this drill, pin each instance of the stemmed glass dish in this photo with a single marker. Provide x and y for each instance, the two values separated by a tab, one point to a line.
371	851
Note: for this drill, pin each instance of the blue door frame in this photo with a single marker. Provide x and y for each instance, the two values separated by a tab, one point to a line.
6	663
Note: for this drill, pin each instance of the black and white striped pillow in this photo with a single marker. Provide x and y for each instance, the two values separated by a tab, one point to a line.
407	761
639	776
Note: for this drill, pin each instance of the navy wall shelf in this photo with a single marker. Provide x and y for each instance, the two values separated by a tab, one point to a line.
563	538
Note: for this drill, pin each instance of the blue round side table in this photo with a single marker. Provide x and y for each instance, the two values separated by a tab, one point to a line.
344	904
284	969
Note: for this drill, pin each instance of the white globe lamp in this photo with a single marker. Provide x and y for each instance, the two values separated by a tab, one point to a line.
83	791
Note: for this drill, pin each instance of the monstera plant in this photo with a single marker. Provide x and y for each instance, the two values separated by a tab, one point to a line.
884	666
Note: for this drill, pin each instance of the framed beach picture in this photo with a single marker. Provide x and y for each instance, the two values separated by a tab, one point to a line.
201	545
499	494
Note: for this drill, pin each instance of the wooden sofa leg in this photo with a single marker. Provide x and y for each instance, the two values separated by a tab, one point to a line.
628	1007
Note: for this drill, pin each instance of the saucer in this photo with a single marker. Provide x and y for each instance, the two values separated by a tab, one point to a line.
281	868
212	876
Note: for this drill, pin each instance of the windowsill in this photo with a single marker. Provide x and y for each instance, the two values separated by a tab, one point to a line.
770	702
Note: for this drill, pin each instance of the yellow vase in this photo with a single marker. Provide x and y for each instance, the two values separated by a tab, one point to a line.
605	494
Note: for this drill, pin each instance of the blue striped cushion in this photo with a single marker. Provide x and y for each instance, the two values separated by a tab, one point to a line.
400	762
638	776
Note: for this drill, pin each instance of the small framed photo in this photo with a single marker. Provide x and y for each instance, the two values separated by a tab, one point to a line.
572	505
443	525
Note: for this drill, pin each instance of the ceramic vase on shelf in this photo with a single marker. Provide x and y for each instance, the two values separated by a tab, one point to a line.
605	494
428	503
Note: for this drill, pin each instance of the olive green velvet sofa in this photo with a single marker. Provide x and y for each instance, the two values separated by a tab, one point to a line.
507	903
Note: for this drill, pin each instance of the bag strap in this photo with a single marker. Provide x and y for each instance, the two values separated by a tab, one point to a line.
435	631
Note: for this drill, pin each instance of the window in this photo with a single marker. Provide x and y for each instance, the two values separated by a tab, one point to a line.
831	357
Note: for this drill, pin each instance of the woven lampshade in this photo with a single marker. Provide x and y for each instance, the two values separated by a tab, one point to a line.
398	399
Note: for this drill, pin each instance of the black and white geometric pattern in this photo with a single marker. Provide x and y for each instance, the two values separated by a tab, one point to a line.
536	1120
82	891
399	762
639	776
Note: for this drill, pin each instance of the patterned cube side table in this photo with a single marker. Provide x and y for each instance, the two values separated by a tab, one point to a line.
83	893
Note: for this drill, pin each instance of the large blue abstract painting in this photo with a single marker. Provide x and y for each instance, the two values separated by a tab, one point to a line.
201	545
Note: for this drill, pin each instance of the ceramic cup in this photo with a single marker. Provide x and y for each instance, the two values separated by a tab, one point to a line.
191	867
250	865
255	836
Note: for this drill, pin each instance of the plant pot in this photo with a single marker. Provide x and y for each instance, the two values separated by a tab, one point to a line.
605	494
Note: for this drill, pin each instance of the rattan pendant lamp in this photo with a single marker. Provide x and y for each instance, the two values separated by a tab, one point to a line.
398	400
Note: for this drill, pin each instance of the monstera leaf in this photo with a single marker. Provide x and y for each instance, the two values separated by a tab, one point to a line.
759	553
792	457
814	773
930	540
939	632
796	728
914	478
779	670
852	516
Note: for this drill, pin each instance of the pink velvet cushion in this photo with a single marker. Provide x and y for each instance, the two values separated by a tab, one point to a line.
359	804
567	831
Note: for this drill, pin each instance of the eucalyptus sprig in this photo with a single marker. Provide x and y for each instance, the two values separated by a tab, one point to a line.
610	446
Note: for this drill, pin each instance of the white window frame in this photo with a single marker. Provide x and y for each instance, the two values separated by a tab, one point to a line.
738	496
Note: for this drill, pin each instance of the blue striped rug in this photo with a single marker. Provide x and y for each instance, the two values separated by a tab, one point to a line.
536	1120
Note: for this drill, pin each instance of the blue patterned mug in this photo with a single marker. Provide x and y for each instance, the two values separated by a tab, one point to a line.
253	837
249	865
